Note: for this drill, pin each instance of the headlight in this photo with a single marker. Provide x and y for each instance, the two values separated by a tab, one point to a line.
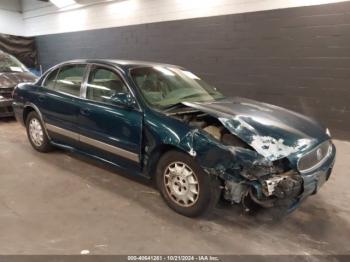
315	157
328	132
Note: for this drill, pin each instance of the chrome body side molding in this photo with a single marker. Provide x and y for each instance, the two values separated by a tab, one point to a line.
95	143
109	148
62	131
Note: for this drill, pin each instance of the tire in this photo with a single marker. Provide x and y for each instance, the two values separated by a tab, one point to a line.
37	137
178	188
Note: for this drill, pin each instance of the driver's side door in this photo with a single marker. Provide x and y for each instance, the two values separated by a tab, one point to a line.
109	130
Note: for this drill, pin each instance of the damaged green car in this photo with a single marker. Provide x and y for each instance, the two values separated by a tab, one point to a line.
163	122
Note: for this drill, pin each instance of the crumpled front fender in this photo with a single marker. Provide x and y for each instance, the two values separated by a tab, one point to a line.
213	156
222	160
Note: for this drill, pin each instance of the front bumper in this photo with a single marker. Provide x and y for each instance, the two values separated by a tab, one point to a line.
6	109
291	195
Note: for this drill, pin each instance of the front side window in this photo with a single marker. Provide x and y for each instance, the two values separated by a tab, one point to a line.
69	79
164	87
103	84
51	79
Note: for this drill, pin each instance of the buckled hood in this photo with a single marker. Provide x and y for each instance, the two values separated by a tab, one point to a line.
11	79
274	132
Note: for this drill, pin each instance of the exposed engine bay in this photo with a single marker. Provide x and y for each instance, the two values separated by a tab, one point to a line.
265	185
211	126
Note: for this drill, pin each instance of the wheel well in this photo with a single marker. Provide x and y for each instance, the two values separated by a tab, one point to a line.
156	155
26	112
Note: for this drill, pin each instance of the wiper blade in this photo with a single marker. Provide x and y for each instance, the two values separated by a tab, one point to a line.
192	95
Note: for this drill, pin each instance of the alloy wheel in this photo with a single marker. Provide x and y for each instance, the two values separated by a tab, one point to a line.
181	184
36	132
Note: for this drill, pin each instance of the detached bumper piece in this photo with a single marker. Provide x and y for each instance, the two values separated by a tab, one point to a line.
287	185
270	191
277	191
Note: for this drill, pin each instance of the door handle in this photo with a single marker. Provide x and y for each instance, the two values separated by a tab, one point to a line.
85	111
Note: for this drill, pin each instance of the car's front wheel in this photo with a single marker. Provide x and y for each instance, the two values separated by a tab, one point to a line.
185	187
36	133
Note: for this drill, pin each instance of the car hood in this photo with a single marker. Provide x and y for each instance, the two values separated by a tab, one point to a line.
274	132
11	79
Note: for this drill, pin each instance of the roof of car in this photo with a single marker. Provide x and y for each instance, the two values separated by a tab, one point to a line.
123	64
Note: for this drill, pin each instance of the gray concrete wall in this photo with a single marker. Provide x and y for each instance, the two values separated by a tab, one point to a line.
297	58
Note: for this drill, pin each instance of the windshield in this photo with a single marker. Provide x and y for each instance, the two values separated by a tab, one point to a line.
10	64
164	87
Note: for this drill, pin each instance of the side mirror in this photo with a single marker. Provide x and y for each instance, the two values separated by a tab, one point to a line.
123	99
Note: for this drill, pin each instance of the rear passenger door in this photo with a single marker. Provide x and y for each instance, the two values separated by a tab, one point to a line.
107	130
58	103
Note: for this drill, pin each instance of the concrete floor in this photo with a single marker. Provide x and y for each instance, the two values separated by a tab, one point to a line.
61	203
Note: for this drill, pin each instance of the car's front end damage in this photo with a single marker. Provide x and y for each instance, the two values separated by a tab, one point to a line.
8	82
259	158
12	72
278	183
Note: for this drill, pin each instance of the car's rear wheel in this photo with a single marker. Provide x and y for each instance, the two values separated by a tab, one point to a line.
185	187
36	133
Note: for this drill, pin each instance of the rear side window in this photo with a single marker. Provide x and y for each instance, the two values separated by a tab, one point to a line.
103	84
51	79
69	79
